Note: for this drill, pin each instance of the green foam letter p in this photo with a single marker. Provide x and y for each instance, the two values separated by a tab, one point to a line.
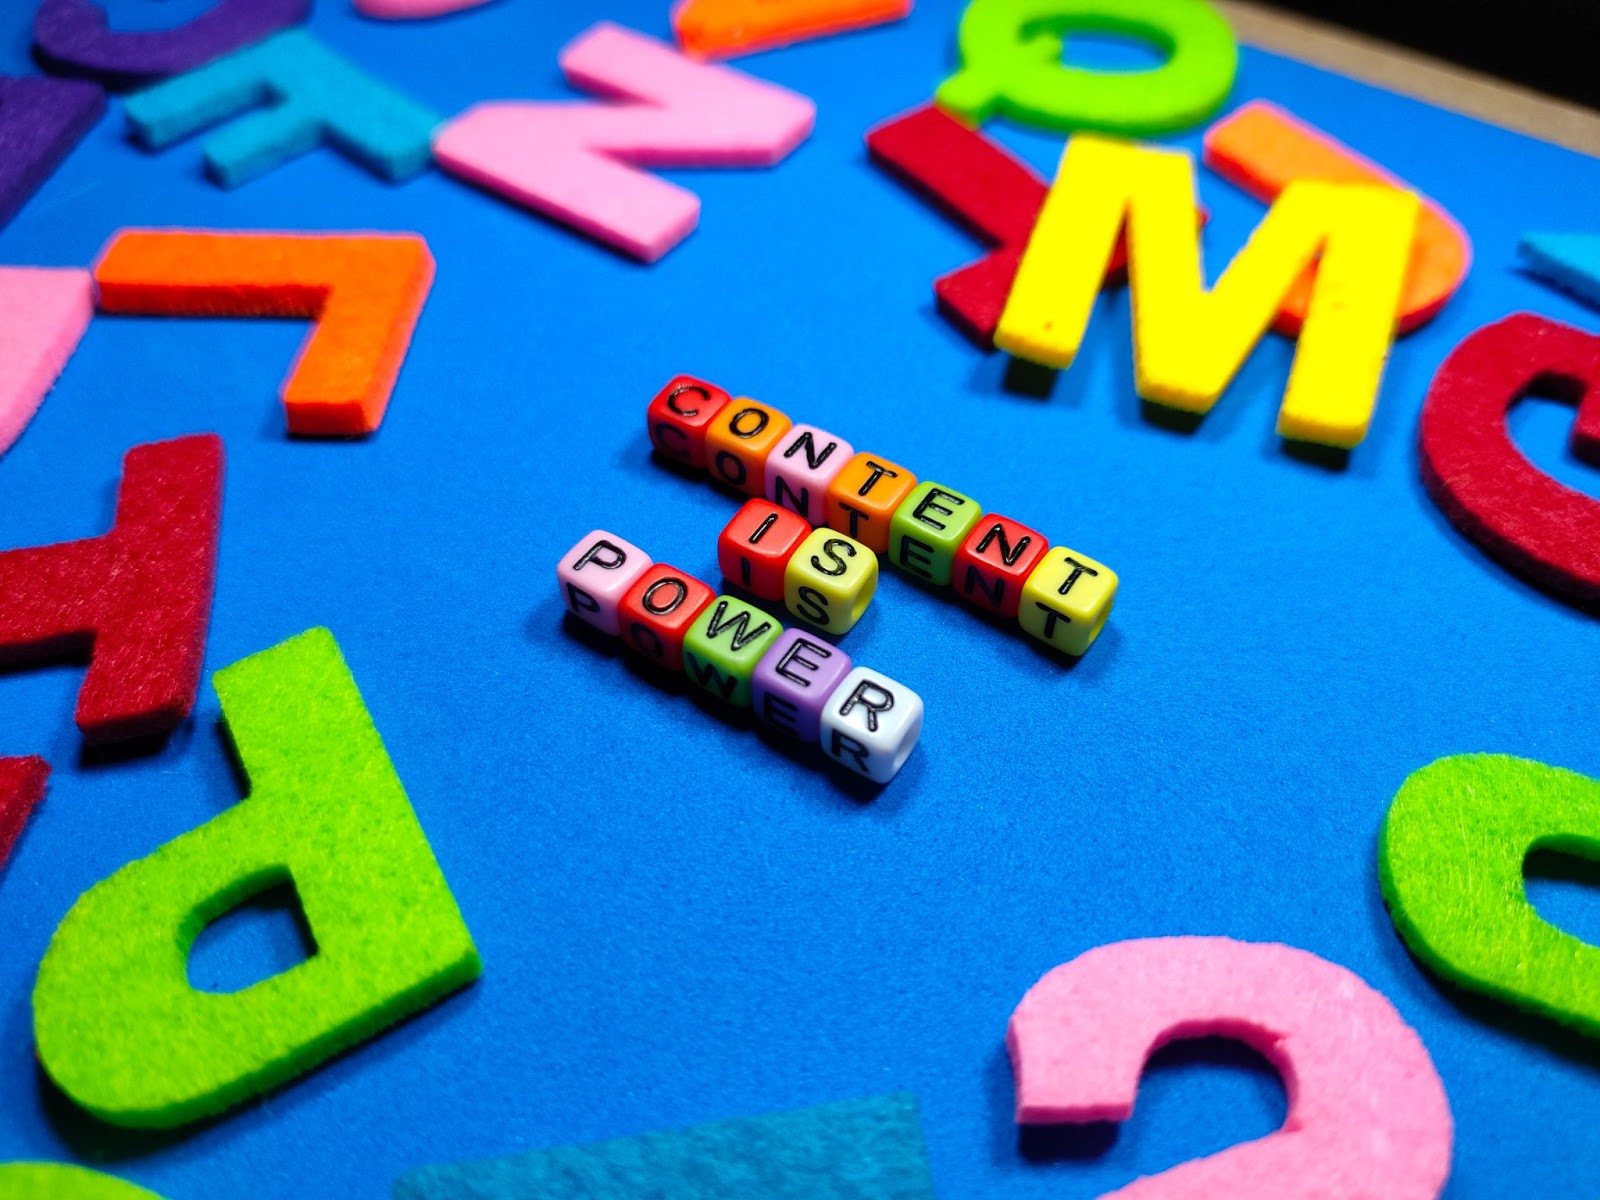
118	1026
1452	862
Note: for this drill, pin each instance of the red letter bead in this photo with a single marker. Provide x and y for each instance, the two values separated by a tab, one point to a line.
678	416
756	546
994	562
800	468
658	610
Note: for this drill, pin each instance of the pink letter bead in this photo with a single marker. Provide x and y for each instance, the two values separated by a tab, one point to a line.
800	468
595	575
871	724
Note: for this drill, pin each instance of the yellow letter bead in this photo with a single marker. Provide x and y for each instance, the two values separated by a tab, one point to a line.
1067	599
830	580
1189	342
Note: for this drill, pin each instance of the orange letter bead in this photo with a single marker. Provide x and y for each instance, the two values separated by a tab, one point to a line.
738	441
863	497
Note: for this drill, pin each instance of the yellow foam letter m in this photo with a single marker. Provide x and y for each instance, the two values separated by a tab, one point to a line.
1188	342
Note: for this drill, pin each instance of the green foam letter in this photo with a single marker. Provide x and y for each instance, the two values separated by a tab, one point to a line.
1451	862
58	1181
118	1026
1011	63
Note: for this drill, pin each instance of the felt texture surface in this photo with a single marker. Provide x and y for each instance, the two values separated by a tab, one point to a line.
73	37
365	293
684	917
1515	512
22	782
41	120
723	28
1262	149
1452	861
43	314
1368	1118
1571	261
1011	63
573	162
136	602
63	1181
118	1026
314	97
1189	343
848	1150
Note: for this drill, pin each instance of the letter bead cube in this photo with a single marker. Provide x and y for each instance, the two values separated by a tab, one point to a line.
793	681
657	611
801	467
871	724
1067	599
596	574
723	646
677	419
862	499
830	581
994	562
738	441
927	530
755	547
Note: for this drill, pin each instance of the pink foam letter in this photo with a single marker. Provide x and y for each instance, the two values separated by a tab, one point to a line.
577	162
402	10
1368	1118
43	313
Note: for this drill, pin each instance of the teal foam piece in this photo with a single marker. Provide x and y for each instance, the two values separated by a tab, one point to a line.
305	96
1571	261
851	1150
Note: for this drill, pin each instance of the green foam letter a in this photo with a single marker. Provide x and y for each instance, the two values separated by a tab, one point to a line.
1452	862
60	1181
118	1026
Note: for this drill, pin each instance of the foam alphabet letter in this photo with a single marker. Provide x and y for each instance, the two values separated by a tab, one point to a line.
1263	149
318	98
1451	862
136	601
73	37
1188	342
43	313
119	1028
62	1181
1011	53
22	783
41	120
573	162
721	28
365	292
1517	514
981	186
1368	1118
405	10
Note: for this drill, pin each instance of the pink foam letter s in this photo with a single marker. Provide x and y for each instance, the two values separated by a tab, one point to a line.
1368	1118
577	162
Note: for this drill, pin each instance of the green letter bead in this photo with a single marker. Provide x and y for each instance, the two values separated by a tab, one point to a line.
927	530
1451	864
1011	63
119	1028
60	1181
723	646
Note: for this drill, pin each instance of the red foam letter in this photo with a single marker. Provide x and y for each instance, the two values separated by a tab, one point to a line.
21	785
1515	512
136	600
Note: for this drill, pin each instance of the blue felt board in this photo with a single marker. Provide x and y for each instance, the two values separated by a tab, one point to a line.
850	1150
680	922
